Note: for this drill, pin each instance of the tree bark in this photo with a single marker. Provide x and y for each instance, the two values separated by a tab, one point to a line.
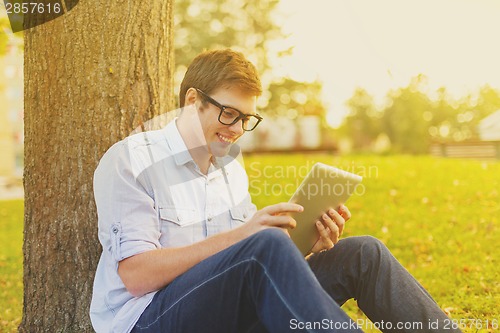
91	76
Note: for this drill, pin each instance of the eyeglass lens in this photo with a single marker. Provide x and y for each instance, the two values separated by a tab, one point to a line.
230	116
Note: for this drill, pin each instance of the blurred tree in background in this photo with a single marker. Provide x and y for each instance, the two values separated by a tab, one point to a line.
246	26
249	27
362	124
293	99
403	118
413	117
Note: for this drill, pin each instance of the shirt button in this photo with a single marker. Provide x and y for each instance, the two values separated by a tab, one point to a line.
115	230
244	215
209	218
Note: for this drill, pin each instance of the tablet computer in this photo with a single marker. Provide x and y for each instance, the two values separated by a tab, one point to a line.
323	188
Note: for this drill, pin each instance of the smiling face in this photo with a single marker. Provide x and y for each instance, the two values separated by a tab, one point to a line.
220	137
212	72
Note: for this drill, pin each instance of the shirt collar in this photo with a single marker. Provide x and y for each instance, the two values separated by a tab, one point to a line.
176	144
181	153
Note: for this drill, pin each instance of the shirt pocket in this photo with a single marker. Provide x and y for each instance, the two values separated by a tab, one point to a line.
179	216
178	225
240	214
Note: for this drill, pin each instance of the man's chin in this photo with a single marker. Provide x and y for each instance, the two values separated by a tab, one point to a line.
219	149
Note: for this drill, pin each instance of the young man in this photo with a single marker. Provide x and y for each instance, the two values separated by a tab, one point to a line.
184	249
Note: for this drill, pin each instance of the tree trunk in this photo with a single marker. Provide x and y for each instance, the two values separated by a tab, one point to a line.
91	76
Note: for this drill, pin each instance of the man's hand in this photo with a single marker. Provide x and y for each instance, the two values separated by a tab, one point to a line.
330	228
272	216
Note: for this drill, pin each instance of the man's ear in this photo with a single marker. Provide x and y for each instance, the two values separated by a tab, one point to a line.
191	96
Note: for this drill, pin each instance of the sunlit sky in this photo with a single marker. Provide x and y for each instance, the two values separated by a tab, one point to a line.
380	45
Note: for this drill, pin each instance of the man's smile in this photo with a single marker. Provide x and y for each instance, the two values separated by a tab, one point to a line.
226	139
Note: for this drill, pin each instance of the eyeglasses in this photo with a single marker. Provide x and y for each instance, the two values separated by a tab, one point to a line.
230	116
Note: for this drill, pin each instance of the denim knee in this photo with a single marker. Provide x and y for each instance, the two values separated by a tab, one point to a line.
372	246
272	240
271	237
370	249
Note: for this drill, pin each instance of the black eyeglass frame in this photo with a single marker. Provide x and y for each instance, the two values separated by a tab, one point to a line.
241	116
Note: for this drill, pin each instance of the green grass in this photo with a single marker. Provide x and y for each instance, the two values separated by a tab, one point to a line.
440	218
11	265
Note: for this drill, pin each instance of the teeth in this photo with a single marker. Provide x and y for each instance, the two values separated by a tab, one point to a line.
225	139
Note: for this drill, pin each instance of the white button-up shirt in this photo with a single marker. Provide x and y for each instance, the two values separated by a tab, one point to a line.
150	194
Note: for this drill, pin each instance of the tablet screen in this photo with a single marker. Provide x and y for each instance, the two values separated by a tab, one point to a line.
323	188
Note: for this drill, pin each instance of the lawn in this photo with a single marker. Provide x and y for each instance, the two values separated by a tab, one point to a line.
11	265
440	218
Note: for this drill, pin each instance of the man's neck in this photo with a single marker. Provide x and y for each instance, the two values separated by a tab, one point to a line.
195	143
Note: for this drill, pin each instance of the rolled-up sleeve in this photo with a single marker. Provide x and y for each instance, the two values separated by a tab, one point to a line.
128	221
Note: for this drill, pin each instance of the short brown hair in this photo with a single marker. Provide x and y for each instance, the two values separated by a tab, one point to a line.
211	70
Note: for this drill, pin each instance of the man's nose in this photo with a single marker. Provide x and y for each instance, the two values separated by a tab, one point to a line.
237	128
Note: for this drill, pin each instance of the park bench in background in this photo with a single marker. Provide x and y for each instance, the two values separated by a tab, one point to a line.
483	150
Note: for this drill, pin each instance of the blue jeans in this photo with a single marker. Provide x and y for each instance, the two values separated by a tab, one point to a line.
263	284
